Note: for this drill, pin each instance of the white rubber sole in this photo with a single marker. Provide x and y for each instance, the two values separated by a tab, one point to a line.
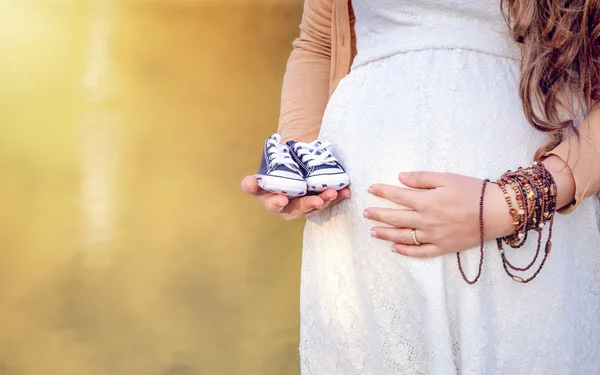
328	181
280	185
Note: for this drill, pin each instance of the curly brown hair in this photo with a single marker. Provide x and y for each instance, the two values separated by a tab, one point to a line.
560	44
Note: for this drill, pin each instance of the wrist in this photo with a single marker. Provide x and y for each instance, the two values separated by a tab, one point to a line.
497	221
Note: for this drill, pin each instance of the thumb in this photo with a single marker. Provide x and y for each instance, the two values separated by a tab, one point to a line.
423	180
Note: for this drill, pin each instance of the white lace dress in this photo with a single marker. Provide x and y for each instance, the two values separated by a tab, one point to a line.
434	87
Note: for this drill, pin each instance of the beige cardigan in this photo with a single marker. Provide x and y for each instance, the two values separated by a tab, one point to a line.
322	56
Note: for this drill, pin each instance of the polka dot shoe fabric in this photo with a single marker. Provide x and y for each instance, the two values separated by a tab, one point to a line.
321	169
279	173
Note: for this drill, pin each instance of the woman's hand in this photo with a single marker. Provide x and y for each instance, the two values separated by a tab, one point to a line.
444	213
295	208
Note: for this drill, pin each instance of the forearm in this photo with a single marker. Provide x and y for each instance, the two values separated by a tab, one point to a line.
575	164
305	91
563	178
304	96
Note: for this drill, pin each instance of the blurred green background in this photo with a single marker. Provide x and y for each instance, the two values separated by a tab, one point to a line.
126	244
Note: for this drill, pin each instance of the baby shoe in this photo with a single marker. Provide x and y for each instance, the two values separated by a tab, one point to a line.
278	172
320	168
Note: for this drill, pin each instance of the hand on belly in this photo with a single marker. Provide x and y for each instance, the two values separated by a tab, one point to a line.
444	213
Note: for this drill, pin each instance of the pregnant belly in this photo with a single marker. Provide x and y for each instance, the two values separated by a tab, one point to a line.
441	110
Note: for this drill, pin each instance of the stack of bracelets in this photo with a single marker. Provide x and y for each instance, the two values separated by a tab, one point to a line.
535	194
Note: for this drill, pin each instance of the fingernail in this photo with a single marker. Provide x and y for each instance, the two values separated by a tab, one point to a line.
403	175
366	214
373	234
394	250
371	190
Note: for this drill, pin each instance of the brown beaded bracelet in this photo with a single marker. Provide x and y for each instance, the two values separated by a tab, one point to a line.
535	195
481	241
523	190
537	184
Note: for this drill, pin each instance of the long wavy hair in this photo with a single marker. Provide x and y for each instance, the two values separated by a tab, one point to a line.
560	68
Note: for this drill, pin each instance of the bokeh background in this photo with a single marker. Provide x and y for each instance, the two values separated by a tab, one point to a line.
126	245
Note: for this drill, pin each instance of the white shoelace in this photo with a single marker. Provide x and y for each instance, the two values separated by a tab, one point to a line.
315	153
278	153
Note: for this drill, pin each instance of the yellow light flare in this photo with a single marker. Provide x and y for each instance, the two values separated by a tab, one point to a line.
126	244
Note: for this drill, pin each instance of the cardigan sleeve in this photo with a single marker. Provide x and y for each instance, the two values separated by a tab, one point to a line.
305	91
582	155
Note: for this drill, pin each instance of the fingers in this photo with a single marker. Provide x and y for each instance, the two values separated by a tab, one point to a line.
399	235
329	198
403	242
328	203
402	196
395	217
337	197
274	203
422	251
328	195
345	193
301	205
424	180
296	207
250	185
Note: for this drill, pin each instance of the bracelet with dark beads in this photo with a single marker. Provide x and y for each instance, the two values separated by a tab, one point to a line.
536	189
481	240
535	193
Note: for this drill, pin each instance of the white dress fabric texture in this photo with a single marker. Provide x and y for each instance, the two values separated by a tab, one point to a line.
435	87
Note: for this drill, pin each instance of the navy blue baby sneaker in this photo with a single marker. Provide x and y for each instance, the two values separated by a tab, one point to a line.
320	168
279	173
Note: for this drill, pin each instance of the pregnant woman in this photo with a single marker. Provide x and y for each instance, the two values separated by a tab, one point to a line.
425	99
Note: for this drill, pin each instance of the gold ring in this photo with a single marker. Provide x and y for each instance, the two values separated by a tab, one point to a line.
413	233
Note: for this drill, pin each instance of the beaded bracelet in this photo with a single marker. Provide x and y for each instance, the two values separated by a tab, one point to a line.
481	242
535	194
535	185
